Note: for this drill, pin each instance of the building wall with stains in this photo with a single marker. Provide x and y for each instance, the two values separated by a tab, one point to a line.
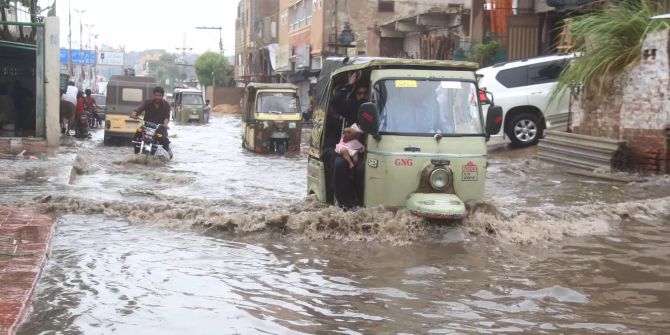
637	110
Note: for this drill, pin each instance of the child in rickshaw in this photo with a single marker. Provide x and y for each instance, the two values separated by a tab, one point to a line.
350	145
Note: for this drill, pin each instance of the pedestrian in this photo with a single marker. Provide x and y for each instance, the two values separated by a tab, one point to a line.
71	93
67	112
206	111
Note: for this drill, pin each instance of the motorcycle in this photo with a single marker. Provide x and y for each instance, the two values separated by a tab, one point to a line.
147	141
81	129
94	118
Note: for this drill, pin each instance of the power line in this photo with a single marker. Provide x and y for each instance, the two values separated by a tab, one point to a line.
219	28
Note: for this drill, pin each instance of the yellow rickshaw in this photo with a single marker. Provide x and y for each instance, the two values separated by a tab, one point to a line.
272	118
124	94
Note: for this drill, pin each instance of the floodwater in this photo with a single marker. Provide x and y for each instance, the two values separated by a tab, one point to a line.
223	241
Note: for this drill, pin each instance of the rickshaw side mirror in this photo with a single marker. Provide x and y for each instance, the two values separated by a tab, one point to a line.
485	97
368	119
494	120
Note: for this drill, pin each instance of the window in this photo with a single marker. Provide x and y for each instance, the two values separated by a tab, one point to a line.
385	6
515	77
428	107
545	72
131	94
300	15
276	103
192	100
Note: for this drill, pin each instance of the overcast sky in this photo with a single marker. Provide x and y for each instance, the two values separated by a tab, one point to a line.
151	24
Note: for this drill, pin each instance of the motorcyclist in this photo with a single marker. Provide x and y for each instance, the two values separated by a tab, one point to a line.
157	111
92	107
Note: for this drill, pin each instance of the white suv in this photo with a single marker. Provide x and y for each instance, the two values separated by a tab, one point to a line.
523	89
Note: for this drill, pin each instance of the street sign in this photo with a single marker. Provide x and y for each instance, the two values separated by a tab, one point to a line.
78	56
110	58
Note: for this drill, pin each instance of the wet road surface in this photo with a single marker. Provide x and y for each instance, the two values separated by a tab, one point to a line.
220	240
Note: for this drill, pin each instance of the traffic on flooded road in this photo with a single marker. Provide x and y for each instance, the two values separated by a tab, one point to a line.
223	239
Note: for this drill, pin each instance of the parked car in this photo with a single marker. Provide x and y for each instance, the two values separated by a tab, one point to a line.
523	89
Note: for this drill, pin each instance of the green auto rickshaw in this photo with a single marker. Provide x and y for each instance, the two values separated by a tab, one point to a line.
425	134
272	118
188	105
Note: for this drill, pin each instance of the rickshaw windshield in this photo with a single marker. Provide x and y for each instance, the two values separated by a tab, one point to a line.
191	99
426	106
277	103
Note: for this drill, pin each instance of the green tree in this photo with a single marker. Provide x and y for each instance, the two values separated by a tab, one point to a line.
165	70
485	54
213	69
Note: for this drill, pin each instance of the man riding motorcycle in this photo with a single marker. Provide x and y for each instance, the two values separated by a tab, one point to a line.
92	107
157	111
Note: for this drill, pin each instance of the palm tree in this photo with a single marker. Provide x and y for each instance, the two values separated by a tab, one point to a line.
608	37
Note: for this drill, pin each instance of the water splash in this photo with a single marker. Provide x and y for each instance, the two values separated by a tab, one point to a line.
311	220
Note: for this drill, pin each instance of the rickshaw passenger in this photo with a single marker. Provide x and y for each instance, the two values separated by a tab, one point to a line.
344	111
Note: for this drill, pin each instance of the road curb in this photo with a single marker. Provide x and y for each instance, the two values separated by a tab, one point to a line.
25	242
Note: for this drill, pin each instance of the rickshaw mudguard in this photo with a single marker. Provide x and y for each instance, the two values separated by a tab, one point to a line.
436	206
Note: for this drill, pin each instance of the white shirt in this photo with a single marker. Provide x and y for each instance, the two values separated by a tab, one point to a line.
71	94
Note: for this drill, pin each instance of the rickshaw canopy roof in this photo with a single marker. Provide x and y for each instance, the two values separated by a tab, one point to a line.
258	86
381	62
132	79
335	65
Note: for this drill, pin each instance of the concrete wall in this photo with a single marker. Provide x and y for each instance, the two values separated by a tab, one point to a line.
224	95
52	79
645	112
637	110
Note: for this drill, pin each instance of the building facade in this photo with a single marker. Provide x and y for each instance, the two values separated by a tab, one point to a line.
255	41
312	30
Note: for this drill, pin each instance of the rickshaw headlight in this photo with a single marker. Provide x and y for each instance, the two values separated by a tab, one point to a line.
439	179
292	125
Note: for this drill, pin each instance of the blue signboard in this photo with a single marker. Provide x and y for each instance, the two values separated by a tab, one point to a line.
78	56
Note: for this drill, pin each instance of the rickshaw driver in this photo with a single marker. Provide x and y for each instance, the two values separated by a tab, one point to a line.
457	105
343	111
411	110
158	112
272	105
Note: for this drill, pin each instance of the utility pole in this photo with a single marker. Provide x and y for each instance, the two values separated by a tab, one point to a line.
81	39
182	63
69	38
219	28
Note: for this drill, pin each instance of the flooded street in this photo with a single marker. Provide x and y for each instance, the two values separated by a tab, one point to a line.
221	240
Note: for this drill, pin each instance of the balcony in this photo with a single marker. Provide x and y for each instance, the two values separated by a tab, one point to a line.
567	5
300	24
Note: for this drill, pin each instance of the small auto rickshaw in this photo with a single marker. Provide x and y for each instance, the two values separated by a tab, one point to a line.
425	135
188	106
272	118
124	94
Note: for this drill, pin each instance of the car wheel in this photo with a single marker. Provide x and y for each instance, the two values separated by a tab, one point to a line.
524	130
